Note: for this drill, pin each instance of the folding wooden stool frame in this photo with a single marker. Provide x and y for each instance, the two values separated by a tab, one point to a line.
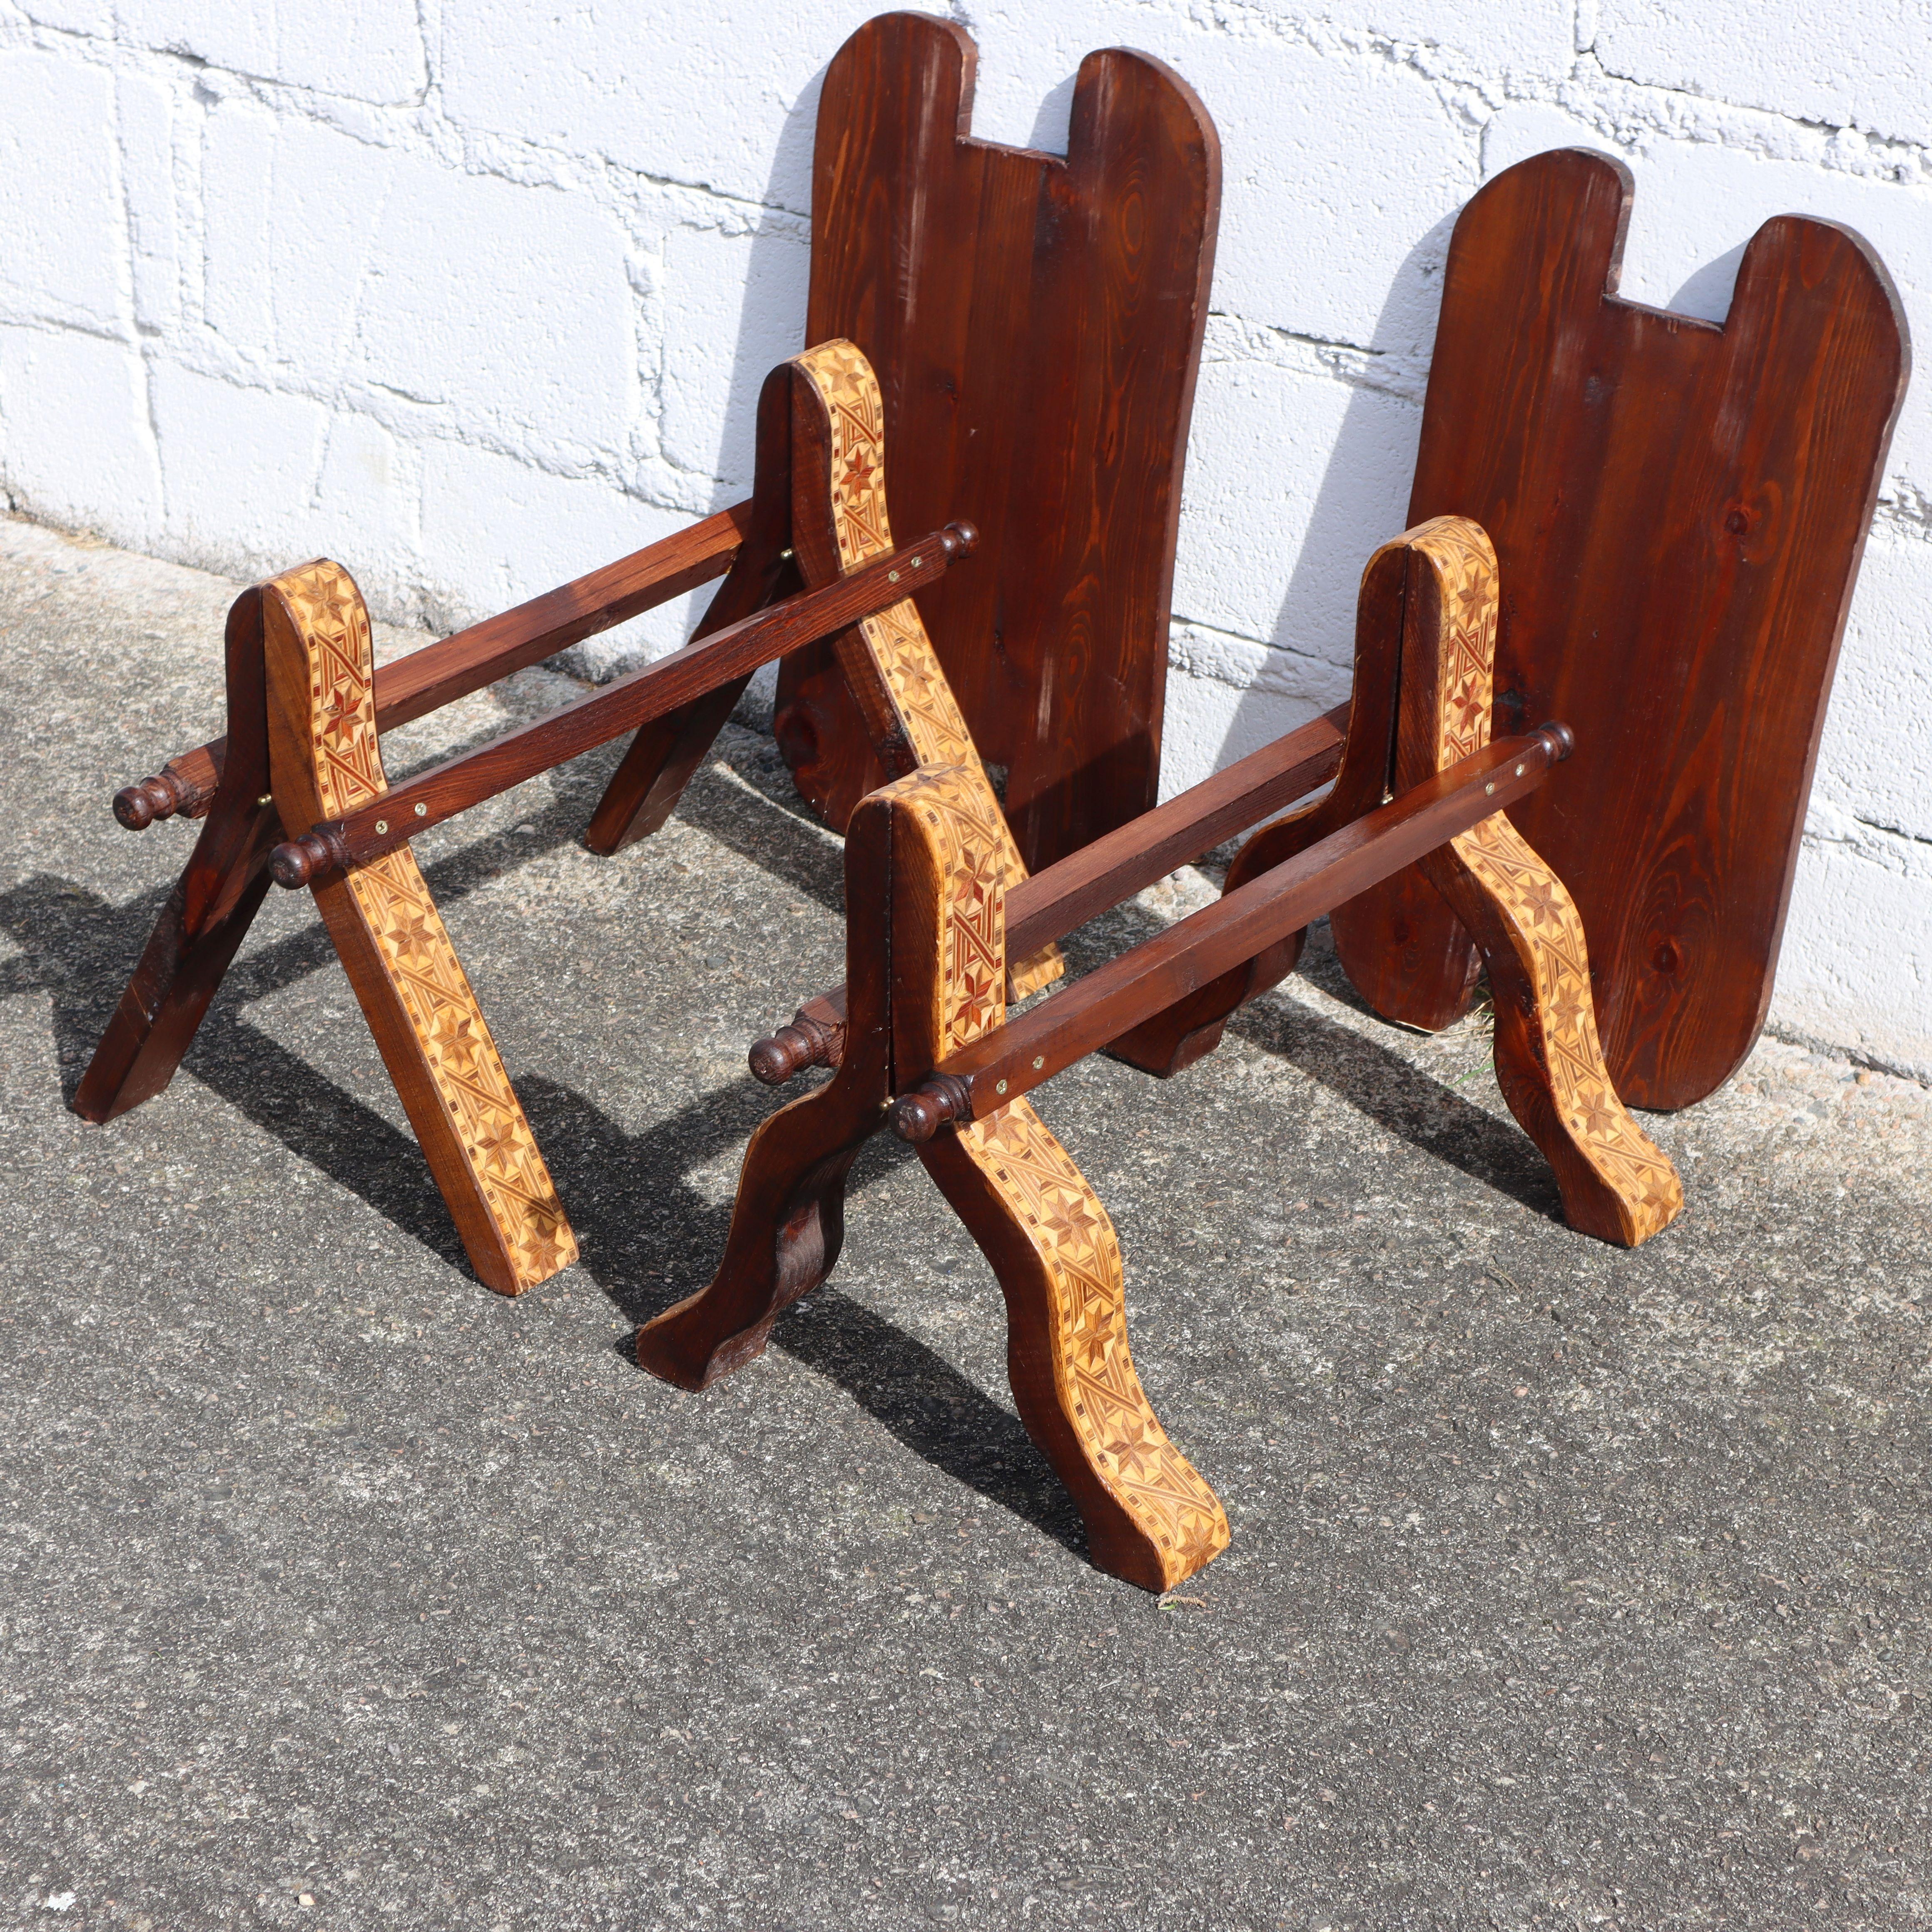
300	764
918	1033
1679	507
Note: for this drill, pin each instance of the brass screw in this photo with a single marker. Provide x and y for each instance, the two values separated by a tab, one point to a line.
917	561
1488	791
1039	1061
422	811
1519	771
382	825
999	1087
267	798
892	577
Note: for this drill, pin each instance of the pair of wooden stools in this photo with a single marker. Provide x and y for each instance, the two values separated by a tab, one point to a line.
1643	525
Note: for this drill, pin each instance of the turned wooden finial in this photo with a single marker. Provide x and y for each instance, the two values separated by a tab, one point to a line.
297	862
919	1113
138	805
813	1039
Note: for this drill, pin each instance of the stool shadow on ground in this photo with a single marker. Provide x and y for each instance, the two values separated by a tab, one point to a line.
1373	1079
648	1234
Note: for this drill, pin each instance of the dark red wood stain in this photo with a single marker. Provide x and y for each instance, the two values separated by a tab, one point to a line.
1678	509
1036	325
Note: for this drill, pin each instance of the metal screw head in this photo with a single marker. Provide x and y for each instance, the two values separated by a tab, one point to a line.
892	577
1519	771
1039	1061
422	811
999	1087
1489	791
382	825
267	798
917	561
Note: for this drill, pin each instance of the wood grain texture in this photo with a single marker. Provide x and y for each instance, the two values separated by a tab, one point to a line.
1678	509
1149	1516
1616	1183
1036	326
326	760
208	913
840	524
424	681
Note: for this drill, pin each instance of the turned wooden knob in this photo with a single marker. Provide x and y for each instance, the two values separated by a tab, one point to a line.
297	862
788	1052
137	806
1560	739
960	538
920	1112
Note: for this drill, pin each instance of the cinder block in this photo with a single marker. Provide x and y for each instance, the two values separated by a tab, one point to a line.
1226	697
1696	205
496	532
371	50
1856	969
1343	173
241	466
720	96
1292	481
290	210
60	203
500	312
75	446
148	170
733	307
1856	64
1875	762
72	16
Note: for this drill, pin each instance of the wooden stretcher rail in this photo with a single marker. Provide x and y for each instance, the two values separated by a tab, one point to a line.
659	689
1012	1059
1050	904
425	681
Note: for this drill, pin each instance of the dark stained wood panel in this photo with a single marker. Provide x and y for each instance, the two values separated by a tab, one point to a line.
1036	324
1678	509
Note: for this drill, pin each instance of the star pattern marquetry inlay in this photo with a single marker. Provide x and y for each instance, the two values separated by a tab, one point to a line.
901	653
1545	929
410	940
1048	1198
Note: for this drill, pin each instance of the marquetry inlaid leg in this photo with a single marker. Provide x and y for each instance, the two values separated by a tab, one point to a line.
326	760
1616	1183
889	660
1149	1516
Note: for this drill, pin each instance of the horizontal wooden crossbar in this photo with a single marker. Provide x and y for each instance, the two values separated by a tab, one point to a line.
658	689
425	681
1012	1059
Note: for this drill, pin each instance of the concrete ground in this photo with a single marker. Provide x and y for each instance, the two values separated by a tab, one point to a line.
1568	1587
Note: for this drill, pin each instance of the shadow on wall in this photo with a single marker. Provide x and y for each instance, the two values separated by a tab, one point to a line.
1361	502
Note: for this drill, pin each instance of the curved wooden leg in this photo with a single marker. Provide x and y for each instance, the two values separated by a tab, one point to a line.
1616	1183
788	1220
1150	1517
394	946
787	1225
208	914
1192	1028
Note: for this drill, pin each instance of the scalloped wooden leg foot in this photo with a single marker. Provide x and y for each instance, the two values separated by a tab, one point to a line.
787	1225
325	760
1616	1183
1150	1517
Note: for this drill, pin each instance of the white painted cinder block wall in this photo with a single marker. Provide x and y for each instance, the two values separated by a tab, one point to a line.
474	295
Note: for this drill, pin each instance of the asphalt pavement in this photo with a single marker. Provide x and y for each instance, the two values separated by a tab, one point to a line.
1568	1587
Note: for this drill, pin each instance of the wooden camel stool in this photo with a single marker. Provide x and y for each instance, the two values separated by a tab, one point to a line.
936	906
